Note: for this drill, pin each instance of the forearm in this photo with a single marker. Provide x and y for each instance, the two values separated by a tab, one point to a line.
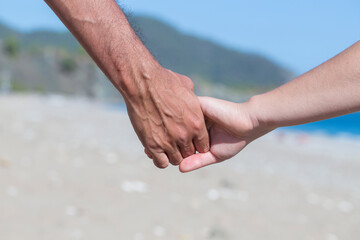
103	30
162	106
329	90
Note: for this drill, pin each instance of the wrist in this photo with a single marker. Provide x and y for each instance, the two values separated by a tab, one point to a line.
135	74
259	114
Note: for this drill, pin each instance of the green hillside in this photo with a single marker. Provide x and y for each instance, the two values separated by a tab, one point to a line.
40	38
195	56
183	53
6	31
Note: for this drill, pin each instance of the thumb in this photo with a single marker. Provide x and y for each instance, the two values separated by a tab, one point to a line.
218	111
197	161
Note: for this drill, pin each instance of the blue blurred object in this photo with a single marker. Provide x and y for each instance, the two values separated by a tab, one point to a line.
347	124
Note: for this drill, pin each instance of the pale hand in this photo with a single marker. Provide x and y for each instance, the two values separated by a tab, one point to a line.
231	127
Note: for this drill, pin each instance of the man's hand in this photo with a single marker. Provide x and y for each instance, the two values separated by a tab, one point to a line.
167	117
232	127
161	104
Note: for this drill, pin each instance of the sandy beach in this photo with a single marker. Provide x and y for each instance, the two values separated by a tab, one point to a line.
74	169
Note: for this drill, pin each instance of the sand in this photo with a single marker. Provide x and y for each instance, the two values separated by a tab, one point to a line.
74	169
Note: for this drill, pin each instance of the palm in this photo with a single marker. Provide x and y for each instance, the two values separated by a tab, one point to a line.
223	144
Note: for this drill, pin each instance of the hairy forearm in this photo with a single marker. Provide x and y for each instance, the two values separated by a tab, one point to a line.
103	30
329	90
162	106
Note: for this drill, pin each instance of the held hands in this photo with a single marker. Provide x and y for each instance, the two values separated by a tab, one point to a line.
170	122
231	127
167	117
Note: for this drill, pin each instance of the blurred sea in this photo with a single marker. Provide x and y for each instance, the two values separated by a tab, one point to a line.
344	125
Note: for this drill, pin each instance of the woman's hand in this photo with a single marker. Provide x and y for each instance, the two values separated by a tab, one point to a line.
232	126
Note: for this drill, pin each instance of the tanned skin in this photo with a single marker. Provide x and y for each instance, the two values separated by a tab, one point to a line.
162	106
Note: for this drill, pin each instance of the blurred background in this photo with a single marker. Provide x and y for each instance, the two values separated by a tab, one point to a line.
71	166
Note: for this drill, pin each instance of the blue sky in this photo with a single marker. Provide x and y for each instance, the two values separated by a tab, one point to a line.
296	34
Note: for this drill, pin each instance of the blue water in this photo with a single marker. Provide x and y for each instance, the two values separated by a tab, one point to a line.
347	124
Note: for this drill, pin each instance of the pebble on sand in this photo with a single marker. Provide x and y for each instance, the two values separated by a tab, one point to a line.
186	237
159	231
134	186
111	158
328	204
55	178
213	194
138	236
29	135
4	163
76	234
71	211
345	206
12	191
227	194
313	199
331	236
25	162
243	196
78	163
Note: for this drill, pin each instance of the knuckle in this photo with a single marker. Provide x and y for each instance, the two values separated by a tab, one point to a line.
157	144
171	152
167	147
188	82
202	138
183	137
198	125
150	143
153	147
189	147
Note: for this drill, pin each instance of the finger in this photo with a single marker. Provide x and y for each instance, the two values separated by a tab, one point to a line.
175	158
202	141
160	160
187	149
148	153
197	161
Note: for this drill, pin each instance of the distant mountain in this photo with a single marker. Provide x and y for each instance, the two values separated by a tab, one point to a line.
41	38
215	63
183	53
44	38
6	31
